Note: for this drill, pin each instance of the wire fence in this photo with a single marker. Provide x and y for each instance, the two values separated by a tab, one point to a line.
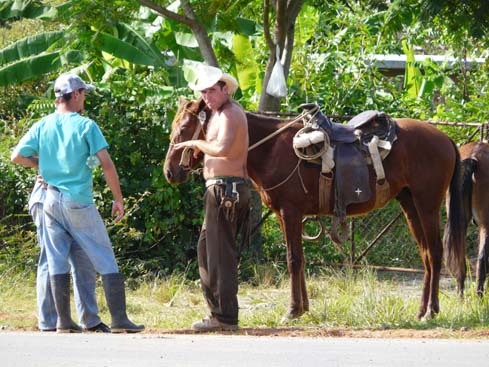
382	237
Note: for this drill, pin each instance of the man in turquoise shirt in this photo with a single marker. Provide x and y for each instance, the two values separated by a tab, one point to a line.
60	146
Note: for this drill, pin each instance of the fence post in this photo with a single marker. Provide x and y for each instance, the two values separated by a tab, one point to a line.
352	243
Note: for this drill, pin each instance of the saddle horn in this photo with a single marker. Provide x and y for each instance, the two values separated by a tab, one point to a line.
308	107
315	112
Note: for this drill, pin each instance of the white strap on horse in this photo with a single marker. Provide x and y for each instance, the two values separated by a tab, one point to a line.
327	160
373	148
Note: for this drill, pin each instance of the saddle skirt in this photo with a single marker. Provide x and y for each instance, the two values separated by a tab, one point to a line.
351	178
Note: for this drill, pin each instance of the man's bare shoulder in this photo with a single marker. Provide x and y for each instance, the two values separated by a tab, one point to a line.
235	112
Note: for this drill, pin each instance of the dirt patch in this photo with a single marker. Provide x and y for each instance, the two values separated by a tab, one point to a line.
317	332
343	333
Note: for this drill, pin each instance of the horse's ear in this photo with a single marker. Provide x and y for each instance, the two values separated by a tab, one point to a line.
202	104
182	100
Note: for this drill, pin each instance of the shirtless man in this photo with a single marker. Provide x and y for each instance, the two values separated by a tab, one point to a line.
226	200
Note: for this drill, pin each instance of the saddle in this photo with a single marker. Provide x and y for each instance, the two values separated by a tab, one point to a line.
365	140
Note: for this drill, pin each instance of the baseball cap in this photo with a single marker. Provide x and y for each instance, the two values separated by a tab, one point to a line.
67	83
210	75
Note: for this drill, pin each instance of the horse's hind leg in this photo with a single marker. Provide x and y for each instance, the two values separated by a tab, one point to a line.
422	228
292	228
482	259
480	212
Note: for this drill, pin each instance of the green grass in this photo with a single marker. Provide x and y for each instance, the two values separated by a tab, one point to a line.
354	300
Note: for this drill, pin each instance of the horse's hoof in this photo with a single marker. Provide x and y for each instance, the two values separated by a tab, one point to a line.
429	315
291	315
284	320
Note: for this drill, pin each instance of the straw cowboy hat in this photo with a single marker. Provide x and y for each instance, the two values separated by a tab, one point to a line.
210	75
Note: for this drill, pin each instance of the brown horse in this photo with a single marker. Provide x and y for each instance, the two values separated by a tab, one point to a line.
421	166
475	181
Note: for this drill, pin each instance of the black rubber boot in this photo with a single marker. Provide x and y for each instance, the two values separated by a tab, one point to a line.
60	287
115	295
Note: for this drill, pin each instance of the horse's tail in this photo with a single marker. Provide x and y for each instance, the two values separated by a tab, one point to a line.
459	199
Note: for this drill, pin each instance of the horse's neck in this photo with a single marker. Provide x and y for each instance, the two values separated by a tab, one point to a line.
262	160
259	127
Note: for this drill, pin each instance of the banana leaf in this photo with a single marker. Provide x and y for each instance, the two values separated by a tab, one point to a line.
245	63
13	9
129	45
413	78
29	46
35	66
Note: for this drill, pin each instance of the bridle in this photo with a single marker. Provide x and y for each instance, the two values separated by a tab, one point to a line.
202	118
188	152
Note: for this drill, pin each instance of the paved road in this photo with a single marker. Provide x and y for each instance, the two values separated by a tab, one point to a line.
147	350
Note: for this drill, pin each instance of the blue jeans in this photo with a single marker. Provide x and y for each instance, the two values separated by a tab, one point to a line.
84	278
67	221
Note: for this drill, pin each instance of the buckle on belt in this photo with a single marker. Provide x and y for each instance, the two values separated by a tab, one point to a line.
214	181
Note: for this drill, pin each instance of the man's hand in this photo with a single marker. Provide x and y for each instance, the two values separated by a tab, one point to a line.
42	182
185	144
191	144
118	207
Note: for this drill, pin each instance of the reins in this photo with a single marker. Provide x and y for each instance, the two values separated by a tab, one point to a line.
202	117
187	152
301	117
276	132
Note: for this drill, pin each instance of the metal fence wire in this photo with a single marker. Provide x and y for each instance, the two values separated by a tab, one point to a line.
382	237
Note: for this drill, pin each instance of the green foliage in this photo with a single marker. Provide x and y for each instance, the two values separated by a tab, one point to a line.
157	235
14	9
134	105
17	233
412	78
29	46
132	46
468	17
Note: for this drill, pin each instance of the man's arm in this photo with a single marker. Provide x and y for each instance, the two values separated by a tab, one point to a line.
18	158
224	142
112	179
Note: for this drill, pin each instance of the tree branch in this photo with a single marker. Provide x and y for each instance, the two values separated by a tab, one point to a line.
281	23
293	9
266	25
165	12
190	20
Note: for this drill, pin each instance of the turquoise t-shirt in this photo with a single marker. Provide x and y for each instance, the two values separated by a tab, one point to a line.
63	142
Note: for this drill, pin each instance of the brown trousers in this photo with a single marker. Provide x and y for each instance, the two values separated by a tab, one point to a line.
218	251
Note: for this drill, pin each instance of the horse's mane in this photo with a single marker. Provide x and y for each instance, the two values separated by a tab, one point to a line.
183	107
178	116
268	119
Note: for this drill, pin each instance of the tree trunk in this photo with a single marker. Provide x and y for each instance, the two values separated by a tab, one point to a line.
286	13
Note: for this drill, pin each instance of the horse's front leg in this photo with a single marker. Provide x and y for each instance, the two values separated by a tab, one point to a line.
291	221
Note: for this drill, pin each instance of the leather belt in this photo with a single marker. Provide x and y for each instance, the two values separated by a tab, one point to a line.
224	181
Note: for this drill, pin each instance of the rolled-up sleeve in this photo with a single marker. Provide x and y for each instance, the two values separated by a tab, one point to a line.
29	144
